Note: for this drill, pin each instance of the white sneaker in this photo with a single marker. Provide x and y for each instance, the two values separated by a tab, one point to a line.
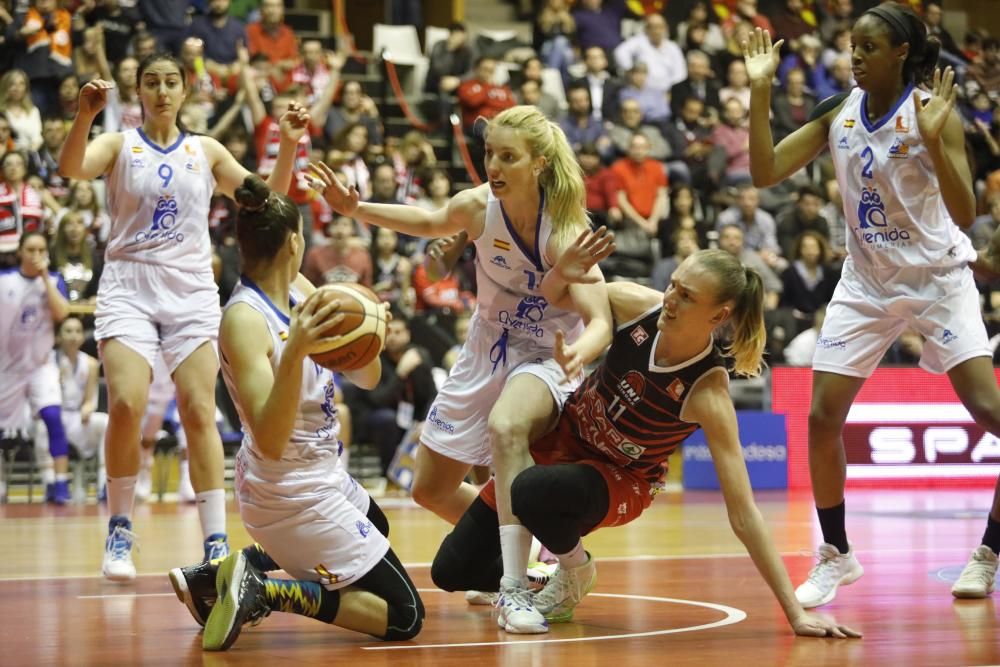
540	574
117	564
565	590
481	598
977	579
185	492
832	570
518	614
144	485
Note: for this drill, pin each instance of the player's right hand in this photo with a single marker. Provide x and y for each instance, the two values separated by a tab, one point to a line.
94	95
761	57
341	199
310	321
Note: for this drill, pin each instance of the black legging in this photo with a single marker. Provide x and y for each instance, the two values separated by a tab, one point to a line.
556	503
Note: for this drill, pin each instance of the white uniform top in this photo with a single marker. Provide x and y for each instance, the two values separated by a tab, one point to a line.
159	203
508	284
892	200
27	332
315	435
72	378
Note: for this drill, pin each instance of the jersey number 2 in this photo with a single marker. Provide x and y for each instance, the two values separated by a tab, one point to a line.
869	156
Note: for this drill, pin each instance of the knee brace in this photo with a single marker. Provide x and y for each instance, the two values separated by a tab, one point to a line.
52	416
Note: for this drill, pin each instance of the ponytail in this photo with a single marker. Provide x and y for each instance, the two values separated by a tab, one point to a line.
744	288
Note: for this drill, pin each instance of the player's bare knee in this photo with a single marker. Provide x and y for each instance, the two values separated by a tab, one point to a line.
126	408
823	427
196	416
427	493
508	434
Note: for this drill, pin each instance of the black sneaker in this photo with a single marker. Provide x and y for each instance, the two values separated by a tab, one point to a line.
195	587
241	599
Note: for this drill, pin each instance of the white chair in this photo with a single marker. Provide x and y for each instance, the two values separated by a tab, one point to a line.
433	35
402	46
552	84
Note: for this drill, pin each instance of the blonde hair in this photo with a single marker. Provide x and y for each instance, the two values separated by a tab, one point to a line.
744	287
25	104
562	178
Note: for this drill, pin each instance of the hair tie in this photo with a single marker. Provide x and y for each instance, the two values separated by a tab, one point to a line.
889	17
259	207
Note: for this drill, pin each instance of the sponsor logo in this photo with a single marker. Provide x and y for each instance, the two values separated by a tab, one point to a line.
844	143
499	260
899	150
501	244
631	450
164	220
752	453
192	167
138	163
623	509
830	343
445	426
871	216
29	315
364	527
676	389
901	126
947	336
631	387
529	312
639	335
328	406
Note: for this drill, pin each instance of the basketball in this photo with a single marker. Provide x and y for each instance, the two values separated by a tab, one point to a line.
362	333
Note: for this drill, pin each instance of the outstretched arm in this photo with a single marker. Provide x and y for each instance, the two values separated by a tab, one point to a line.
770	164
711	406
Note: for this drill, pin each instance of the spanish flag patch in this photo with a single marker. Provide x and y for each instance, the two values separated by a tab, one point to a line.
137	149
849	122
283	335
499	243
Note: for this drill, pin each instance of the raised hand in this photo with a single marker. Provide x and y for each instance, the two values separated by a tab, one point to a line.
295	122
761	57
932	115
341	199
94	95
589	248
811	625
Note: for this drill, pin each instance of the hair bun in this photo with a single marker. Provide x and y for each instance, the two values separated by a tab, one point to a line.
252	196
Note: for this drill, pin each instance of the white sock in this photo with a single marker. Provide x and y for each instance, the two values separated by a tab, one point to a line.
212	511
121	495
48	476
575	558
62	476
515	542
183	472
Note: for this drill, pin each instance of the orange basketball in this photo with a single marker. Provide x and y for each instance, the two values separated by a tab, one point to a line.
362	333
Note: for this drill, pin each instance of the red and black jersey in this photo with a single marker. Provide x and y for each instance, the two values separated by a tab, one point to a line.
628	410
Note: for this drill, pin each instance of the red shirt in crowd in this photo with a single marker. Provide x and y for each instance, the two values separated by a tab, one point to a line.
267	138
482	99
20	211
641	182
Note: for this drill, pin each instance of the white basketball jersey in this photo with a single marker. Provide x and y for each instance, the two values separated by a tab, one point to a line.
316	433
159	203
892	200
72	378
508	283
27	332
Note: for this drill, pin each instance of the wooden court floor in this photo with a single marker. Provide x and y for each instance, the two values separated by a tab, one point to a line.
674	588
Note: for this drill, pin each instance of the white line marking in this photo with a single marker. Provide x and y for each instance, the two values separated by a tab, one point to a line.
733	615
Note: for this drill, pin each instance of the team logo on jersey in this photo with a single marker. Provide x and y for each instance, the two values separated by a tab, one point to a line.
871	209
901	126
364	527
631	387
501	244
631	450
192	166
676	389
138	163
844	143
163	224
899	150
639	335
849	123
498	260
29	315
529	311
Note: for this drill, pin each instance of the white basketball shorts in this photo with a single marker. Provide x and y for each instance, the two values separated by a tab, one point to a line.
37	390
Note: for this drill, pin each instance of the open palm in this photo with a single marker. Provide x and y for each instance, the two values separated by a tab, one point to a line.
761	57
589	248
342	199
933	114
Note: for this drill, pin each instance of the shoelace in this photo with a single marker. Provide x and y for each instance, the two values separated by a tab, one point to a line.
519	597
560	587
824	570
122	541
217	549
979	569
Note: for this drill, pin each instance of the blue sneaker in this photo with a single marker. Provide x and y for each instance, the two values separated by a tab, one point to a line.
216	546
58	493
117	565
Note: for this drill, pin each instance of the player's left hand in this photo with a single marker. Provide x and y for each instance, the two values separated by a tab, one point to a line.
294	122
932	115
589	248
812	625
567	357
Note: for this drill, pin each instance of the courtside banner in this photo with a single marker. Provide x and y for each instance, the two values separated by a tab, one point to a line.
762	435
906	428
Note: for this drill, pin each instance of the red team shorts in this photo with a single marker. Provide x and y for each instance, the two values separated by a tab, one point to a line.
628	492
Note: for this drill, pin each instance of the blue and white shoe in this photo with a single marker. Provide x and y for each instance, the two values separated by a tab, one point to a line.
216	547
57	493
117	565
